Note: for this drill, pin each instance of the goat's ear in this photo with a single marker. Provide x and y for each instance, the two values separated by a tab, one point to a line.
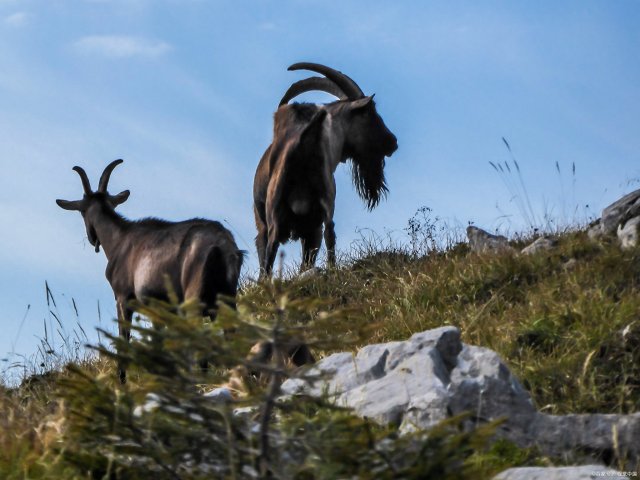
119	198
361	102
70	204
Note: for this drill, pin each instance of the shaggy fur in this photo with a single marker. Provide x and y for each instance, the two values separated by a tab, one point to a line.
294	186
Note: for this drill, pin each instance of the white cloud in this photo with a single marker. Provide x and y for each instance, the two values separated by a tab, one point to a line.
17	19
122	46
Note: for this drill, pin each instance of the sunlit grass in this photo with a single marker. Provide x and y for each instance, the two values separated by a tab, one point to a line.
566	322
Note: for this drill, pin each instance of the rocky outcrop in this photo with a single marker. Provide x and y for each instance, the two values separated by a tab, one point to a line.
416	383
594	232
539	245
585	472
619	212
482	241
602	435
621	218
628	233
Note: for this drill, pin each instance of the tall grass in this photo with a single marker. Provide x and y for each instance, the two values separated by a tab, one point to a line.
62	341
570	216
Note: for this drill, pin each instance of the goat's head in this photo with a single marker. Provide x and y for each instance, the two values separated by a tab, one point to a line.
367	139
93	202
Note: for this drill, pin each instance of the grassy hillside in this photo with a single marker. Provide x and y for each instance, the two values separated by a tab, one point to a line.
566	322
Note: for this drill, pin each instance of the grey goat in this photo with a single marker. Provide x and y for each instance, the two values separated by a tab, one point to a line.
199	257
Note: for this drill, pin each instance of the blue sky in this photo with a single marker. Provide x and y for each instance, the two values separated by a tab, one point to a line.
184	91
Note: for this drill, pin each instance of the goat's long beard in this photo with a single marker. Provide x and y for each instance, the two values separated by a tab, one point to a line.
368	178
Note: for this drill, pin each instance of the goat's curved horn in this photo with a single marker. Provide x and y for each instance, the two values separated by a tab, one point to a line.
345	83
310	84
104	178
85	180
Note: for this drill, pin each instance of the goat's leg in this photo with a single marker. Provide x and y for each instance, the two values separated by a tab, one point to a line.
261	247
330	242
125	315
270	257
310	247
261	241
270	252
292	353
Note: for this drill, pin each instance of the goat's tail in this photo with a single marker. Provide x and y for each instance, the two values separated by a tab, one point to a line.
221	274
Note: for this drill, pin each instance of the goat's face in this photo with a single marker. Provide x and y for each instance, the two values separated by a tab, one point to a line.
95	204
366	139
99	204
88	216
367	142
367	135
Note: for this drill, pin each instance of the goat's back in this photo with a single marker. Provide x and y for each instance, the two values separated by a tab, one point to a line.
290	182
199	257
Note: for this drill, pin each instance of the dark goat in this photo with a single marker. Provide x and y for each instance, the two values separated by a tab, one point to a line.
294	189
199	257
